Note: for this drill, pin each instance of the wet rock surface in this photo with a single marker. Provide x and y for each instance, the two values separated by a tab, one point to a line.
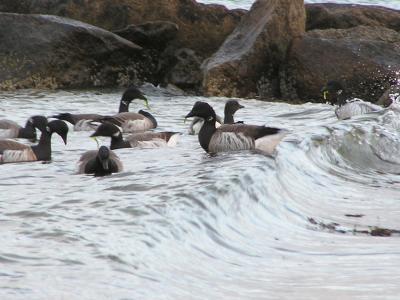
153	35
203	49
255	49
39	51
364	58
343	16
203	28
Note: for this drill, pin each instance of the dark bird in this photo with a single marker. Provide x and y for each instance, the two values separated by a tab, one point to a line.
148	139
12	151
10	129
231	107
99	162
131	121
347	107
81	122
233	137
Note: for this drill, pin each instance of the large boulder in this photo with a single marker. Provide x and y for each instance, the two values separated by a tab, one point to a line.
343	16
41	51
364	58
184	70
255	49
203	28
152	35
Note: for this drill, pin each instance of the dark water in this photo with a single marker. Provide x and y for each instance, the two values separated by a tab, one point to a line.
179	224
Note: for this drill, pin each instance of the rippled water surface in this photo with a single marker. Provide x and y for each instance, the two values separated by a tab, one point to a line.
179	224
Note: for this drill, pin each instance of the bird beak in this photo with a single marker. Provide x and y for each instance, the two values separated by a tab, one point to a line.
105	164
96	140
64	138
241	106
325	94
146	103
189	115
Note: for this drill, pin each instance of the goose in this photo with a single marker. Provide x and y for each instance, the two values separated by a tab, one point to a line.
233	137
10	129
147	139
99	162
346	108
81	122
231	107
131	121
12	151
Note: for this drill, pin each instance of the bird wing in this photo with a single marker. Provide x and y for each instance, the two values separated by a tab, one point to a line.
81	117
116	164
252	131
11	145
86	160
150	135
8	124
88	155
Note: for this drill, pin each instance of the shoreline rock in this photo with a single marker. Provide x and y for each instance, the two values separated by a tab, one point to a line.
364	58
255	49
203	28
196	46
42	51
151	35
344	16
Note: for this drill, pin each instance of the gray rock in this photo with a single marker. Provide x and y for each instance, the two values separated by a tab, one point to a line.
41	51
255	50
185	73
344	16
155	35
365	59
203	28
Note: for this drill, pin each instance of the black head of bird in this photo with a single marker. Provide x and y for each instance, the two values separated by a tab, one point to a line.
202	110
232	106
332	91
59	127
103	156
39	122
132	93
107	129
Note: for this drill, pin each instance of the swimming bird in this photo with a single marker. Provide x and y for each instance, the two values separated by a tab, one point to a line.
99	162
131	121
231	107
346	108
233	137
12	151
10	129
148	139
81	122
